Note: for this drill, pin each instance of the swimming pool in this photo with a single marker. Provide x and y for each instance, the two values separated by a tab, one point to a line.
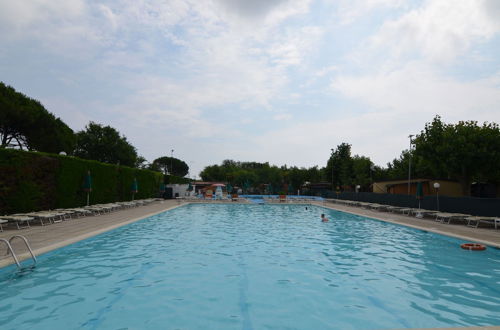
253	267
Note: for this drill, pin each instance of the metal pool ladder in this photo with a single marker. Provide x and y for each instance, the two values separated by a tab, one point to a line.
11	250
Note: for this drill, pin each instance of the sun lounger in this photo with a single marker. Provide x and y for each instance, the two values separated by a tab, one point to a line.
20	221
1	222
394	208
363	205
448	217
420	213
406	211
104	208
475	221
80	212
95	210
41	216
65	214
378	207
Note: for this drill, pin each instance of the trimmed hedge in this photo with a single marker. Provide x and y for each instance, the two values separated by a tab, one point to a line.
172	179
32	181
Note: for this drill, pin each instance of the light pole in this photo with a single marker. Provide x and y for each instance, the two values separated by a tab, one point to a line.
172	162
436	186
409	165
357	191
372	168
331	163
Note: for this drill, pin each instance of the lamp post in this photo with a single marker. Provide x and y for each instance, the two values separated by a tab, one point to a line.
357	191
372	168
409	165
331	162
172	162
437	186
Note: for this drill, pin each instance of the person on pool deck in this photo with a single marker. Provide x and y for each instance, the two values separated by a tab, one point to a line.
323	218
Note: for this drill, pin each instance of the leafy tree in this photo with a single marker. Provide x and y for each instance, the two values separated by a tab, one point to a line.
339	166
26	124
170	165
361	171
104	144
256	174
142	163
465	151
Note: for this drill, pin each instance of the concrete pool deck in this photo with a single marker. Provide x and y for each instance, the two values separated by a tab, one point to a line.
47	238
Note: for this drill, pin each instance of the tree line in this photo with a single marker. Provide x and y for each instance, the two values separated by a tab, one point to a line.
25	124
466	152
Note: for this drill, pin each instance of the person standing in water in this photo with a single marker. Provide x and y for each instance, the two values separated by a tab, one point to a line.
323	218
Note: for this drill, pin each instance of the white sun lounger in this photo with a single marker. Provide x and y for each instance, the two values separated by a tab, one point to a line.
20	221
448	217
475	221
2	221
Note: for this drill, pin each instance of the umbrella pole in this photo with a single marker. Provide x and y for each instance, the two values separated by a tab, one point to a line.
88	198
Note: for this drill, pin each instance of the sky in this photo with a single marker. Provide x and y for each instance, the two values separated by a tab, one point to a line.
281	81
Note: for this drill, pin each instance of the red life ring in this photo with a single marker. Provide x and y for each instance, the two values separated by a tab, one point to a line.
473	247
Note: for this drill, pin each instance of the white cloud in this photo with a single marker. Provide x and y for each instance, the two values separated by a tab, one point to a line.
295	45
440	30
418	91
255	8
282	116
380	136
350	11
171	71
22	17
260	13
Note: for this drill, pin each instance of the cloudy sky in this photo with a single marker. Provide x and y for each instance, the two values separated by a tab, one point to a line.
282	81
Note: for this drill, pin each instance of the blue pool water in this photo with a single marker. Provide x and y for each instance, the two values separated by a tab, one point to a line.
255	267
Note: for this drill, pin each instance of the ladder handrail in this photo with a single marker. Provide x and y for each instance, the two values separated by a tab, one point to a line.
9	248
27	245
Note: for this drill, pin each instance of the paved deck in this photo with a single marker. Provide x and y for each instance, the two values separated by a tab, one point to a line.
485	235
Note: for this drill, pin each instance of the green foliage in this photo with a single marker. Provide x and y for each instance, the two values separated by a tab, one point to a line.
361	171
172	179
104	144
37	181
464	151
254	175
26	124
339	166
170	165
346	171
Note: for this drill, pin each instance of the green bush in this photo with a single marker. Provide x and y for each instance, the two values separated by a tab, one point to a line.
31	181
172	179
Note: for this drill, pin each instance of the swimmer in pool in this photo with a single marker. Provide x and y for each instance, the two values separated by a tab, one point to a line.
323	218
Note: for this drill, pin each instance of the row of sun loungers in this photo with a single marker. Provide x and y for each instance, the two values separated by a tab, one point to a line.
23	220
443	217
